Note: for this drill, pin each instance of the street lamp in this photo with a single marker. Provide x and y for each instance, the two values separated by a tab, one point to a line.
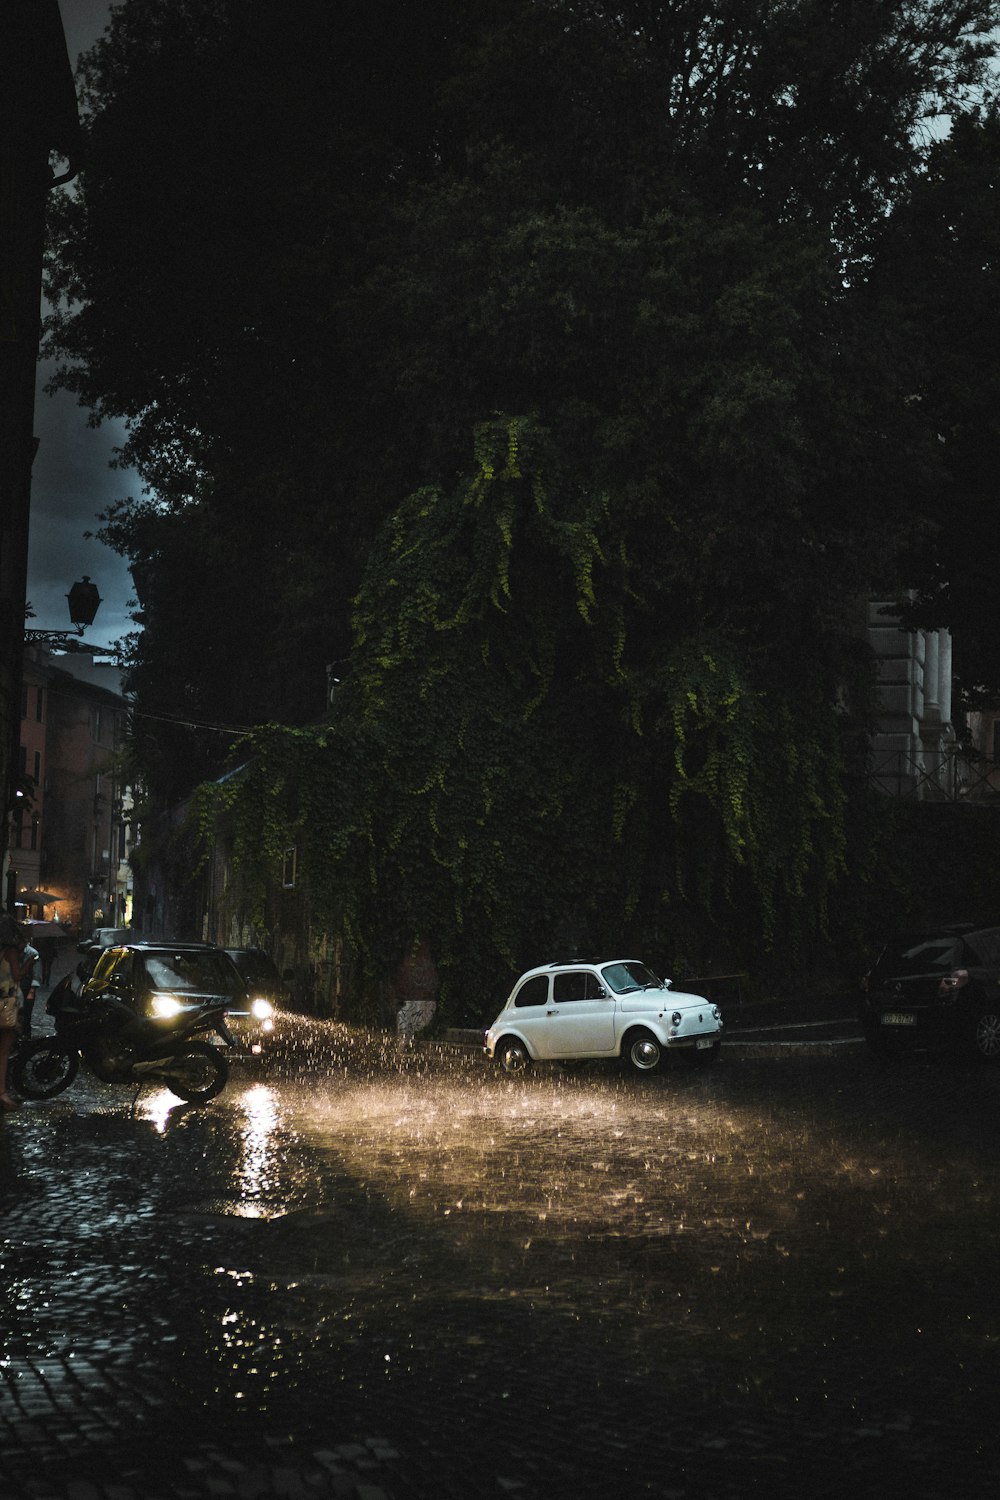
83	599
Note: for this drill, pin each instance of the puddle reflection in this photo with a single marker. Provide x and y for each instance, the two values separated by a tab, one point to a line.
256	1173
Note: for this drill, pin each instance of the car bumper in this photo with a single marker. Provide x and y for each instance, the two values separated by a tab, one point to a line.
901	1025
248	1037
700	1043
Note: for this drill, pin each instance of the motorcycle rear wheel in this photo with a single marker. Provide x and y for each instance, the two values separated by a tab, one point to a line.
195	1073
42	1069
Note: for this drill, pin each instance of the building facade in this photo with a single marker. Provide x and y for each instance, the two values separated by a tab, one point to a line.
72	834
38	125
914	749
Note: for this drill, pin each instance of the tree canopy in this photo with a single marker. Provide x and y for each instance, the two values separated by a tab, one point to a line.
540	362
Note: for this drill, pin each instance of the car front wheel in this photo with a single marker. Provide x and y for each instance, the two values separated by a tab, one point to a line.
512	1056
986	1035
642	1052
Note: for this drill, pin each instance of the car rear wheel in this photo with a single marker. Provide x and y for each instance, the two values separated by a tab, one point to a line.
986	1035
642	1052
512	1057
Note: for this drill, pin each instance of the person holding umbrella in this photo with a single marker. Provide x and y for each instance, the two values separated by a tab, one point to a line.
29	962
46	937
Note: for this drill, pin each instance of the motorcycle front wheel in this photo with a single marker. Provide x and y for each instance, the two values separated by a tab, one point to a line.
196	1072
42	1069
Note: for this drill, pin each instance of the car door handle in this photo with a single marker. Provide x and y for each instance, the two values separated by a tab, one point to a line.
552	1012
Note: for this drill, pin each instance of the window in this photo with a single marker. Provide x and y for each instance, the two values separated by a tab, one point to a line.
921	956
192	973
114	966
104	964
578	984
626	977
38	706
288	868
983	949
534	992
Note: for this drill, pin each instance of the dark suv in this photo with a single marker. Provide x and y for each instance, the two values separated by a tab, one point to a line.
149	976
935	988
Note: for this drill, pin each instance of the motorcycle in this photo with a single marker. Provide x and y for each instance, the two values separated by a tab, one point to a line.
120	1047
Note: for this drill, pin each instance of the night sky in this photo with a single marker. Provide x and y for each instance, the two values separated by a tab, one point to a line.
72	481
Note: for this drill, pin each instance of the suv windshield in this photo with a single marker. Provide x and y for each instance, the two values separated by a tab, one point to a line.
622	978
191	973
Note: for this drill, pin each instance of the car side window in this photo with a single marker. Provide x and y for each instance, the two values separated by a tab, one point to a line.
105	964
534	992
120	971
577	984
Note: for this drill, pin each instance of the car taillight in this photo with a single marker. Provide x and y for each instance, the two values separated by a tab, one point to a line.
953	981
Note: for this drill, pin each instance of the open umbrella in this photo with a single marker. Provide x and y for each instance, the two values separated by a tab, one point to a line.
37	898
46	930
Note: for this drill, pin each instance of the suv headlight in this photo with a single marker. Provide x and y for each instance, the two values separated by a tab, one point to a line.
165	1007
261	1009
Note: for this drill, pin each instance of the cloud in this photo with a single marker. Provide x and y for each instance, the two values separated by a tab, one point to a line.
72	482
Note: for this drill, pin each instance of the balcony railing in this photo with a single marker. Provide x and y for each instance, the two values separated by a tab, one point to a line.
957	776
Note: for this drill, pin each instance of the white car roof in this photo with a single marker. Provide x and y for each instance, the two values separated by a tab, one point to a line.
578	963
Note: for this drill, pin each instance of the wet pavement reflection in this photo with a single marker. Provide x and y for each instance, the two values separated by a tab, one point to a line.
370	1273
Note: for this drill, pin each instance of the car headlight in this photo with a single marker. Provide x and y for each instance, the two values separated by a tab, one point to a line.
716	1013
261	1009
675	1019
165	1007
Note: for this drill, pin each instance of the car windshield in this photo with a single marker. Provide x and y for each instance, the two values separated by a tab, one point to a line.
624	977
192	973
920	955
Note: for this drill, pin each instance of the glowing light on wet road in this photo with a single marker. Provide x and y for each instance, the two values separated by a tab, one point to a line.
256	1174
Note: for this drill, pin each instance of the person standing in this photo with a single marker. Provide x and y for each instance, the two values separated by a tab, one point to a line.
29	984
11	938
46	952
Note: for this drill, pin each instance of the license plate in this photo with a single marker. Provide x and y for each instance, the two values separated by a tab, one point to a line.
704	1041
899	1018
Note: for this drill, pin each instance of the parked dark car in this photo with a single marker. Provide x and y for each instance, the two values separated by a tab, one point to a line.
260	974
937	988
151	976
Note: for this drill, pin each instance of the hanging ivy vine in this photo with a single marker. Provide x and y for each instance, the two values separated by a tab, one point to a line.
510	770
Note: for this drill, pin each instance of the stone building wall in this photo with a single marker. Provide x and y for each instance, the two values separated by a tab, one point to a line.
913	751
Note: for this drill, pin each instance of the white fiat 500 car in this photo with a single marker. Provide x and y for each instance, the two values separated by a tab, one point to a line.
617	1008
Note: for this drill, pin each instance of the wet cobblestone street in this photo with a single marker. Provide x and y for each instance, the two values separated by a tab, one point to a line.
406	1277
